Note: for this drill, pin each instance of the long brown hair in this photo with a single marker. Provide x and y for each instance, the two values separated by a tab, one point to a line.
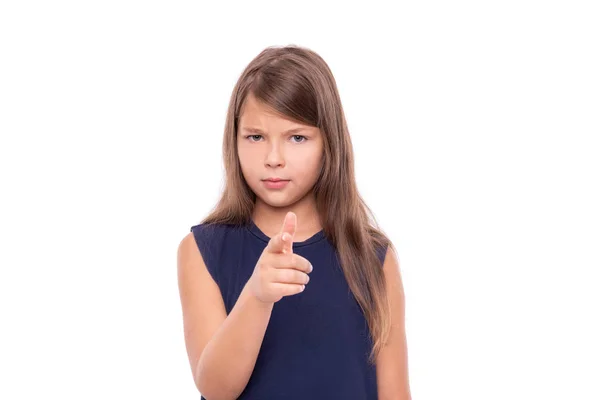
297	83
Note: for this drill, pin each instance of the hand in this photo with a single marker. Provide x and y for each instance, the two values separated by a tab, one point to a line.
279	272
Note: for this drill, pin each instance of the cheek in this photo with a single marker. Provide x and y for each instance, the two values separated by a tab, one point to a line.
245	158
246	169
306	165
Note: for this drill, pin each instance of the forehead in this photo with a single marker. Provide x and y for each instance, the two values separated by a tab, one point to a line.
259	117
253	109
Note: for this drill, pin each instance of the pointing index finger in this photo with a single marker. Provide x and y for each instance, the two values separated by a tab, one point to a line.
281	244
288	230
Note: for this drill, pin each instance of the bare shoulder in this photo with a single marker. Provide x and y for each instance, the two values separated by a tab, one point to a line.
391	267
202	304
188	254
394	288
392	362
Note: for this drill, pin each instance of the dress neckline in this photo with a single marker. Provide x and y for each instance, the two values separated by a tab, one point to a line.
255	230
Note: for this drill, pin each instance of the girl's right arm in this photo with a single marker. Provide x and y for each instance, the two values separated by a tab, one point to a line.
222	349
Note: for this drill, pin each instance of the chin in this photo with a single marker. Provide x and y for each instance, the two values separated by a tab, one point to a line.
275	199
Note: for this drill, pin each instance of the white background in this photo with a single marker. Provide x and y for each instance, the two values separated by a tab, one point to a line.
476	128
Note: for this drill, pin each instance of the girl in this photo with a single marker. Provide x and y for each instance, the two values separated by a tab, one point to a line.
288	289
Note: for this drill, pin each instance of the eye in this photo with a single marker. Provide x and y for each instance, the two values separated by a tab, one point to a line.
253	136
300	136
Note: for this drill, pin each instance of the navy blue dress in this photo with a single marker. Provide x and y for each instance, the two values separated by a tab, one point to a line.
317	342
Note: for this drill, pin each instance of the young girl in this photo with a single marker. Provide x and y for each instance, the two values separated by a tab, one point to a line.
288	289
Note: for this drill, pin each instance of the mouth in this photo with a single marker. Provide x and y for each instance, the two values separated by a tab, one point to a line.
275	183
275	180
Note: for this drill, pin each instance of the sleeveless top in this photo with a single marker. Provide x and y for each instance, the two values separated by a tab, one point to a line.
317	342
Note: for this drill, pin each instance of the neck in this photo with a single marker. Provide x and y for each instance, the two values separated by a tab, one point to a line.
269	219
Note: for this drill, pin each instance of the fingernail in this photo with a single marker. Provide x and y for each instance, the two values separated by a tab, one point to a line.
285	237
311	267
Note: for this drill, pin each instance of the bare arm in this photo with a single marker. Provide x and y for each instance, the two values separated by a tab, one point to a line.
222	348
392	362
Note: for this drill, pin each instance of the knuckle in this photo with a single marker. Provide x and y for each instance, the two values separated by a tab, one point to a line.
300	277
288	275
266	262
302	263
296	261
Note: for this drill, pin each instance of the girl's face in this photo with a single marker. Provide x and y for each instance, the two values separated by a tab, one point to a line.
270	146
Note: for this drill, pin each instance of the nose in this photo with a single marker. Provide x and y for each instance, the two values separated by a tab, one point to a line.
275	157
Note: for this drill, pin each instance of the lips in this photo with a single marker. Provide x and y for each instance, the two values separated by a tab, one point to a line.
276	180
275	184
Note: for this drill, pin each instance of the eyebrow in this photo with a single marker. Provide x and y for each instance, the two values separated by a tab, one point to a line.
256	130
